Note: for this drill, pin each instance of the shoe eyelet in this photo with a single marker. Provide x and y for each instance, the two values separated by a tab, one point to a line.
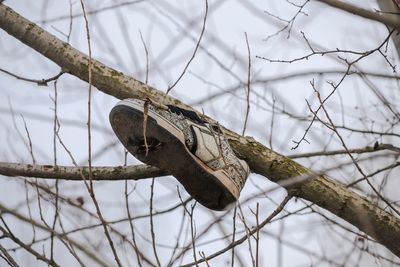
216	128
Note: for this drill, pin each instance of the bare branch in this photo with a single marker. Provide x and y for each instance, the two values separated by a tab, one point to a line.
248	85
195	50
81	247
8	234
135	172
246	236
42	82
387	19
368	149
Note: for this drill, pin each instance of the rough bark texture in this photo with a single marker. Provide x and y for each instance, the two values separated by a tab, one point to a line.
389	6
137	172
388	19
325	192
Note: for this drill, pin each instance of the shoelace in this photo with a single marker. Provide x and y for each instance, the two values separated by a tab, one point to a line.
187	113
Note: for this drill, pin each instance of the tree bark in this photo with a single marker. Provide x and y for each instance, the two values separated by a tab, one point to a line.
298	180
389	6
388	19
135	172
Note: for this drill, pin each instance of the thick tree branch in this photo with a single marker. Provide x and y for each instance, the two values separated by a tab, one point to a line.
136	172
389	6
390	20
325	192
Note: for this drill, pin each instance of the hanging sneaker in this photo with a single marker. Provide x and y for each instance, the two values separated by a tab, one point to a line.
178	140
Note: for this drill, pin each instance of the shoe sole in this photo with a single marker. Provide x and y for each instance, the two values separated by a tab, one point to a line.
212	189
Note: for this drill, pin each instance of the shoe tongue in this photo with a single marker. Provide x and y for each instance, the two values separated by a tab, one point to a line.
187	113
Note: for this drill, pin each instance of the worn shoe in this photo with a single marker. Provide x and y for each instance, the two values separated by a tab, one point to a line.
177	140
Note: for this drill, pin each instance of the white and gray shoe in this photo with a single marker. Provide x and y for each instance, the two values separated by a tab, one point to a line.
178	140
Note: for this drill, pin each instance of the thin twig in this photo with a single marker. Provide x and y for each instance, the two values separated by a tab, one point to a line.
194	52
146	81
7	233
180	232
247	230
90	188
233	235
248	85
244	238
367	149
358	167
192	225
288	24
29	141
32	222
136	249
42	82
335	86
153	236
203	256
145	115
7	257
389	167
55	130
272	122
256	214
